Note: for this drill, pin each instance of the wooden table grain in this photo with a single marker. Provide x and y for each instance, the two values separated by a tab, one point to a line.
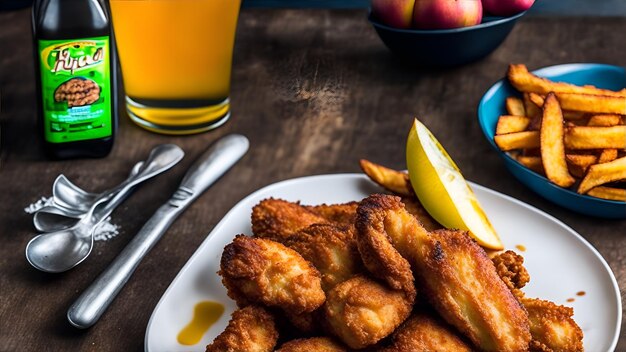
314	90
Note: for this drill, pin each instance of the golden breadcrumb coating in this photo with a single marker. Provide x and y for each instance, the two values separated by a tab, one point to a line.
552	327
313	344
510	268
332	250
277	219
338	214
415	208
257	270
250	329
455	273
423	332
361	311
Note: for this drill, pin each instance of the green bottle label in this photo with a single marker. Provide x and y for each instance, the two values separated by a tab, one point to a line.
75	84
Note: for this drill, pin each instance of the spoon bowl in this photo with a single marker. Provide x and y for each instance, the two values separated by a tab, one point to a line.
59	252
68	195
62	250
57	217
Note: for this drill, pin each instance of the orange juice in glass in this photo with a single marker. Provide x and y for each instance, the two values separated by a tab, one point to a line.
176	58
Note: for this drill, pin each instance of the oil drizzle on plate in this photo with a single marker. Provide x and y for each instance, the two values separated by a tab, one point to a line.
205	314
521	247
580	293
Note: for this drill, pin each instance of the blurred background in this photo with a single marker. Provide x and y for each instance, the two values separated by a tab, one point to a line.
541	7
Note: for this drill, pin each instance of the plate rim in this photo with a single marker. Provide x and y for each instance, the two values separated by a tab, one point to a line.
533	209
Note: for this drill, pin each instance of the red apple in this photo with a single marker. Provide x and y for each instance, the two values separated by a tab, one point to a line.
445	14
394	13
506	7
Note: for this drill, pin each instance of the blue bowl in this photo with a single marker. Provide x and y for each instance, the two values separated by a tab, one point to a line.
492	105
446	47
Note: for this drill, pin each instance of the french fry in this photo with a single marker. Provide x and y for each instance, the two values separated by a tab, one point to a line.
600	174
536	99
605	120
533	112
607	155
610	193
517	140
526	82
531	109
531	162
573	115
511	123
568	115
579	163
584	137
551	141
392	180
515	106
600	104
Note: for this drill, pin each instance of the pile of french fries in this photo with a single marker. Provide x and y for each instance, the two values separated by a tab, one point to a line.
573	135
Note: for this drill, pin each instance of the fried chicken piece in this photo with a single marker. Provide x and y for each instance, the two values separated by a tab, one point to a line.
332	250
425	333
257	270
361	311
510	268
338	214
278	219
552	327
250	329
384	262
455	273
317	344
415	208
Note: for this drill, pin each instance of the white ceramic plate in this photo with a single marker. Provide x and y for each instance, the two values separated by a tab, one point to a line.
561	263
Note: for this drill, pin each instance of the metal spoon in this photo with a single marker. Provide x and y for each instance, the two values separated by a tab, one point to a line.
68	195
57	217
60	251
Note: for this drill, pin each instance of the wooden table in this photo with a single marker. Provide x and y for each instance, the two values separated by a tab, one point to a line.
314	90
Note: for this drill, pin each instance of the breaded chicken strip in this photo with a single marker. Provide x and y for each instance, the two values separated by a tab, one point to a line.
250	329
338	214
415	208
458	278
425	333
313	344
510	268
257	270
332	250
278	219
552	327
361	311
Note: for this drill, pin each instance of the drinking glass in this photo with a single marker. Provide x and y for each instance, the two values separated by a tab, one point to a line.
176	58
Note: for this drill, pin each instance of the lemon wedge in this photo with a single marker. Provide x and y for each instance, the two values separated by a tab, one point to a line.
443	191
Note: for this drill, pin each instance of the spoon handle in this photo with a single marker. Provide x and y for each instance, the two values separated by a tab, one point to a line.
88	308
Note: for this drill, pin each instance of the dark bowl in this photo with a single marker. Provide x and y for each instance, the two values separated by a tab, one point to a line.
446	47
492	105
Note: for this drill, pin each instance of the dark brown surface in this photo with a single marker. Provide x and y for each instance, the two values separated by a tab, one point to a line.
314	91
